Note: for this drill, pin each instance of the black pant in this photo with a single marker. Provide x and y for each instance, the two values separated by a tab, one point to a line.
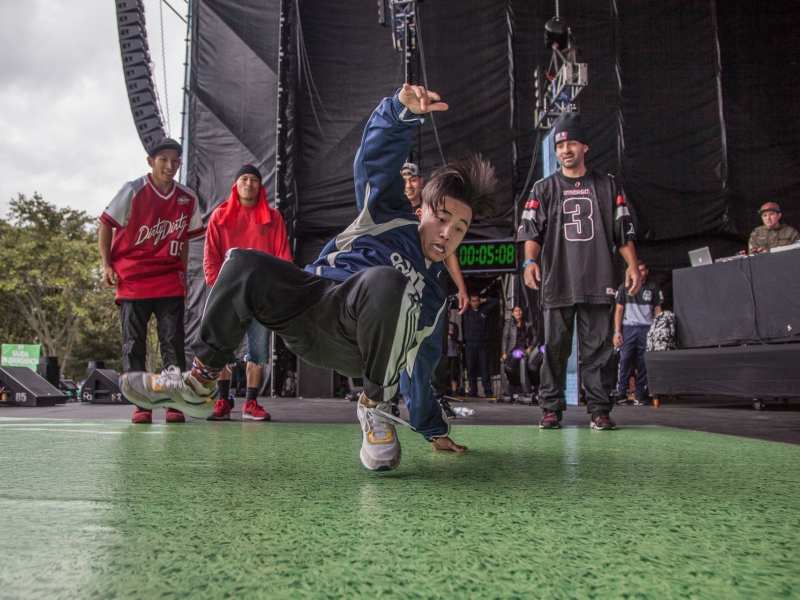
361	327
169	323
477	354
634	344
594	334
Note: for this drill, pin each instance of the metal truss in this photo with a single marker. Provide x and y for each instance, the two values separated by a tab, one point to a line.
558	87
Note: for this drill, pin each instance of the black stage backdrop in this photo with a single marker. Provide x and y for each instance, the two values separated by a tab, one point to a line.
233	98
347	63
692	104
761	98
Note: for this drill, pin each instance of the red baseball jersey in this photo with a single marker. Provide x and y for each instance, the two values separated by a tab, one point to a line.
151	229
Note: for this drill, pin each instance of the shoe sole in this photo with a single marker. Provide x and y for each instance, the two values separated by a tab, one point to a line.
611	428
556	426
198	411
252	418
213	418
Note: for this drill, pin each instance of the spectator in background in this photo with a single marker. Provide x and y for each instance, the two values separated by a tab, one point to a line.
520	336
579	216
142	238
453	357
633	317
245	220
476	341
773	233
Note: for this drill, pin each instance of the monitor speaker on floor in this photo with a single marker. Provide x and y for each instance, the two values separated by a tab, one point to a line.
102	387
23	387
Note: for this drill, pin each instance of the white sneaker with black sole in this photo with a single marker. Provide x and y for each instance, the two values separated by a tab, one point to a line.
380	448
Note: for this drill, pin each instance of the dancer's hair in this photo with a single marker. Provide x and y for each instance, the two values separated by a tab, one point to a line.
470	179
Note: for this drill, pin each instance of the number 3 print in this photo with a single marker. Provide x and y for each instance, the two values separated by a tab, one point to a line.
579	226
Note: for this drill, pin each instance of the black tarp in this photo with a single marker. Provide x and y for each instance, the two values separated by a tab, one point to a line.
761	98
233	95
692	104
233	99
674	162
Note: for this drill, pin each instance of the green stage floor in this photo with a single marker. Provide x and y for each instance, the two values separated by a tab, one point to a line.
106	509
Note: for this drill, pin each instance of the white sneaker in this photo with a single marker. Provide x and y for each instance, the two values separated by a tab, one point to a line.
380	448
171	389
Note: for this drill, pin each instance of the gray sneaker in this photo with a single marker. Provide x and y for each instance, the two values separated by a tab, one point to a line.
380	448
170	389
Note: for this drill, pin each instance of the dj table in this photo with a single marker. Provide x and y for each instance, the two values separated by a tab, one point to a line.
750	300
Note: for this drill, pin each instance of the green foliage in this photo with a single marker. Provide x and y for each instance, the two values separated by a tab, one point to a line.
50	279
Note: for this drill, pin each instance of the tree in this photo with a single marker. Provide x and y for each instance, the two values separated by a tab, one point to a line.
50	269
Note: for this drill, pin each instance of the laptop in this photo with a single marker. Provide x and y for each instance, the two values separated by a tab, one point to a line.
700	257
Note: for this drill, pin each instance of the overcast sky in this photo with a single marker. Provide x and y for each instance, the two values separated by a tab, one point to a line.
66	129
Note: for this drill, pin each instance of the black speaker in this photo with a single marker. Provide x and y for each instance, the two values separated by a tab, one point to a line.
314	382
23	387
48	368
102	387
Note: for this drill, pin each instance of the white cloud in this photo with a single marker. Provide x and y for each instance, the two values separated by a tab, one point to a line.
66	128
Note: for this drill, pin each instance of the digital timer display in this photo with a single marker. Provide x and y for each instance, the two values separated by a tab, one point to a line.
487	256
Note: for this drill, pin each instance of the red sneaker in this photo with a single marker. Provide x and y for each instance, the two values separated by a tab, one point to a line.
222	411
175	416
142	416
602	421
254	411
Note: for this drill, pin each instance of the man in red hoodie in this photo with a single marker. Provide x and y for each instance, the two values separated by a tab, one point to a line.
246	221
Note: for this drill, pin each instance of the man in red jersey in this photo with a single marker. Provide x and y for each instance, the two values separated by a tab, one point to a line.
142	240
246	221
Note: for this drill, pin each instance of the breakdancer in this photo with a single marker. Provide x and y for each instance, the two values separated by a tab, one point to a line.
371	306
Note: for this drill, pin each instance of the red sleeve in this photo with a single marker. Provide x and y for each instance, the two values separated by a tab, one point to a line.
281	242
213	255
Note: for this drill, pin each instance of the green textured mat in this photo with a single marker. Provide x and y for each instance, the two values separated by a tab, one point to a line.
106	509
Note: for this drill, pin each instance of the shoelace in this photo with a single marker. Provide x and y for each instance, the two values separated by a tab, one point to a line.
378	419
170	378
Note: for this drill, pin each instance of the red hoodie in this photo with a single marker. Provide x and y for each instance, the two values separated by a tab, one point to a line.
232	225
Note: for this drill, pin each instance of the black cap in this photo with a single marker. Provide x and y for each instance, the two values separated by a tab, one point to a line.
163	144
248	170
568	127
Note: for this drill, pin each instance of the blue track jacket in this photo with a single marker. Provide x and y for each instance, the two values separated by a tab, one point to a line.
386	233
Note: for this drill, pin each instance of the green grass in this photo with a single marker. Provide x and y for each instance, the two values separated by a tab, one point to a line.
105	509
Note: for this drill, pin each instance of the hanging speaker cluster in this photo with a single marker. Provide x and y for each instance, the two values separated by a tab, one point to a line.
136	67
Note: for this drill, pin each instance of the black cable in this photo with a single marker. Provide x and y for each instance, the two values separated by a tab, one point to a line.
752	294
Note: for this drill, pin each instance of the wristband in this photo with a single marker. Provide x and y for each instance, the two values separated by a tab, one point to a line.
527	262
616	331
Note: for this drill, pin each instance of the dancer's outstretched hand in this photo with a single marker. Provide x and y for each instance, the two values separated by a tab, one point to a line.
419	100
445	443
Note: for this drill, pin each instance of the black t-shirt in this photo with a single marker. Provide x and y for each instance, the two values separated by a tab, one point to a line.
577	222
639	307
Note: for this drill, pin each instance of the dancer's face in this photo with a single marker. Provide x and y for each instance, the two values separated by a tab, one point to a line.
441	231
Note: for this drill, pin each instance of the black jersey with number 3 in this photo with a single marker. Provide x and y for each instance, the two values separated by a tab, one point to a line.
577	221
